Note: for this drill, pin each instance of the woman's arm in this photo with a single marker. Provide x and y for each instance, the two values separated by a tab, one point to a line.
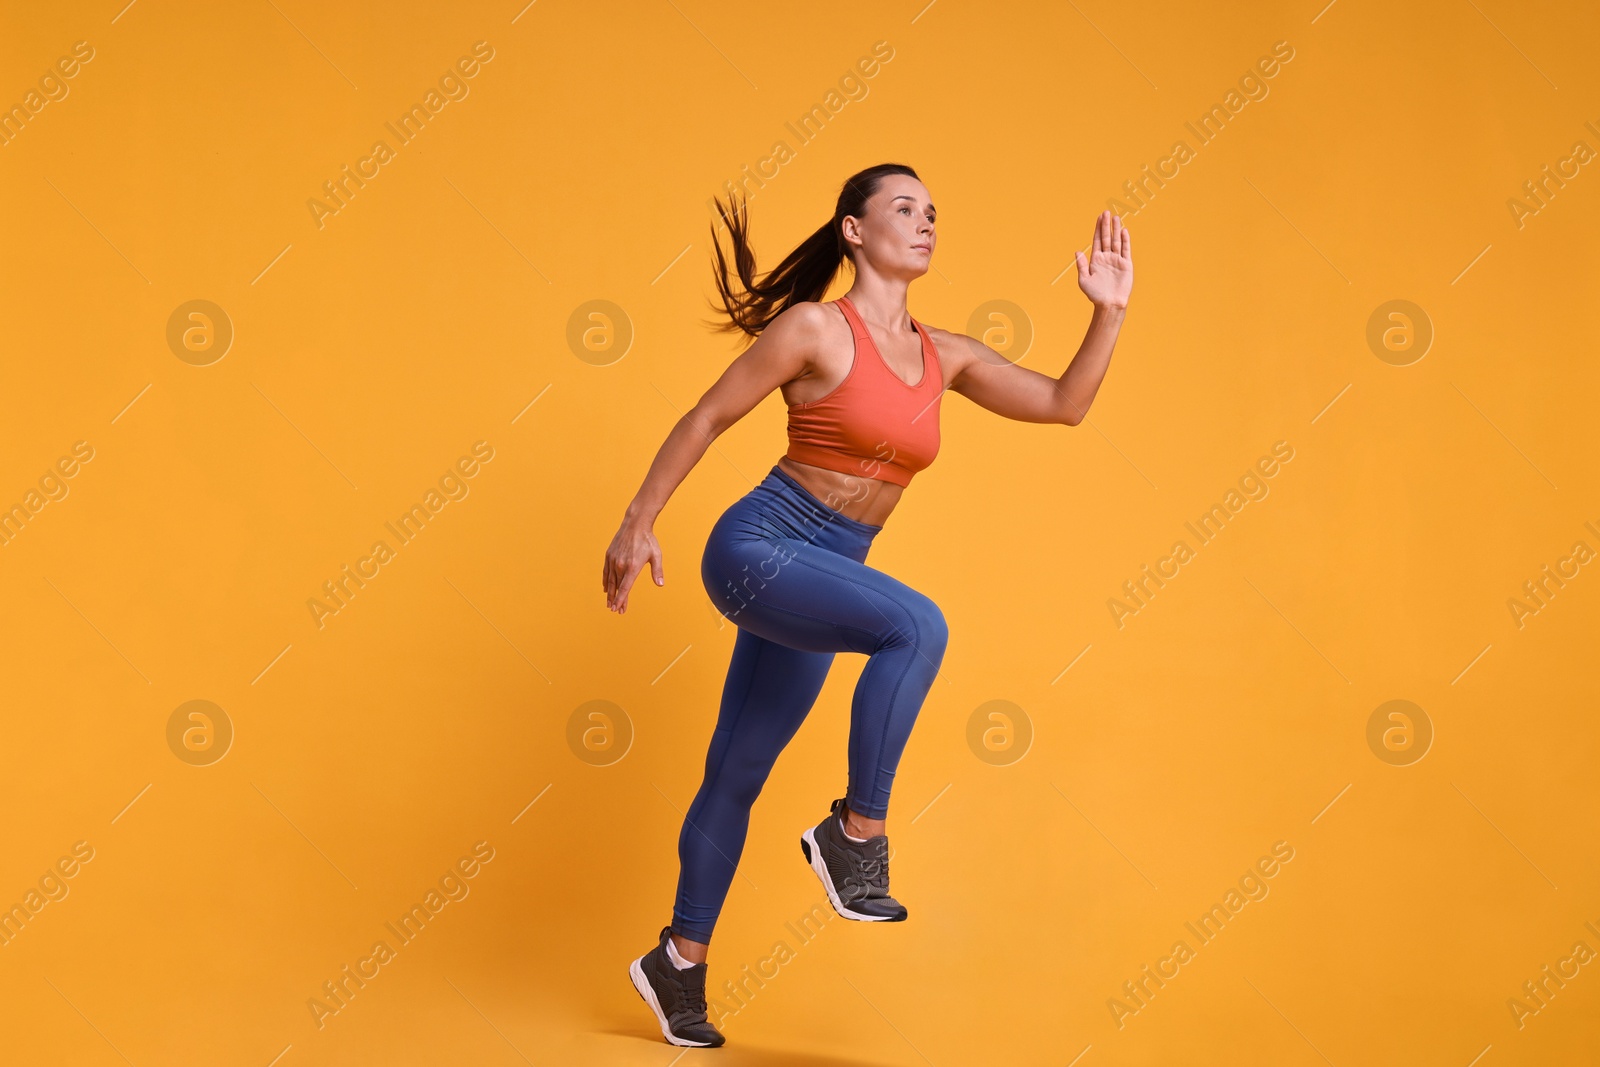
780	354
990	380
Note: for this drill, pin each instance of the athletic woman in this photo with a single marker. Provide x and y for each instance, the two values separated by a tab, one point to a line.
786	562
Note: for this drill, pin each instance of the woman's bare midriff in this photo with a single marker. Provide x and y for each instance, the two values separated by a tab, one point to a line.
854	496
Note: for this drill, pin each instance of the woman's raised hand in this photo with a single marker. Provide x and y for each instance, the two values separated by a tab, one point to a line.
1106	276
632	548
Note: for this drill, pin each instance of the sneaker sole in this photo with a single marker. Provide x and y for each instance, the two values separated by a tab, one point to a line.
813	854
641	985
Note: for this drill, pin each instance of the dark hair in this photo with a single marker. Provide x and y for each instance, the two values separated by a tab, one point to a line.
804	273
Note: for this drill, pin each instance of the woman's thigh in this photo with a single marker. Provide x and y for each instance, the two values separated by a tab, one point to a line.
806	596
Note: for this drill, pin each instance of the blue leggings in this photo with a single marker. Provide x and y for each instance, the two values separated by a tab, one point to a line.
789	571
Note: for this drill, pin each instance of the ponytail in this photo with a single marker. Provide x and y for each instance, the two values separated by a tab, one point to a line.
804	274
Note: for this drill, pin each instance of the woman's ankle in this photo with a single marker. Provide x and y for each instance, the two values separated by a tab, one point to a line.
860	827
693	951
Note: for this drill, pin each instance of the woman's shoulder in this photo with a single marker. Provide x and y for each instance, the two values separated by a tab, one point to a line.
809	313
807	322
947	346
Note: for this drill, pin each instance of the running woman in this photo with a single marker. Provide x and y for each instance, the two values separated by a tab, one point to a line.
786	563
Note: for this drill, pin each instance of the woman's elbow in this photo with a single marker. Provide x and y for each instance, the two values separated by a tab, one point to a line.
708	422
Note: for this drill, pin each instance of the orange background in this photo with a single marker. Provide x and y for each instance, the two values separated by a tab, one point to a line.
432	712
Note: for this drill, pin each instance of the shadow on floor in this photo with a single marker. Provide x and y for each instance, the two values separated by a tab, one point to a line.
737	1053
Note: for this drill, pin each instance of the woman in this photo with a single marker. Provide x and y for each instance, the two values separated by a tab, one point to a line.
786	563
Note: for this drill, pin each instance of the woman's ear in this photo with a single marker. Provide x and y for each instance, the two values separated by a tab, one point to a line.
850	227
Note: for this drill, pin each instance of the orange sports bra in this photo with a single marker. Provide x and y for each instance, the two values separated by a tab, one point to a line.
873	423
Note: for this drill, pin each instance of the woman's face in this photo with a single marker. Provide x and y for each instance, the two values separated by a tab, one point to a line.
895	232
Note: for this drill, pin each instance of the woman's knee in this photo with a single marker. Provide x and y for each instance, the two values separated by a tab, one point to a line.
927	628
938	629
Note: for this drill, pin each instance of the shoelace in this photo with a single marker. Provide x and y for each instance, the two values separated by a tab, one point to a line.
696	1001
694	993
872	863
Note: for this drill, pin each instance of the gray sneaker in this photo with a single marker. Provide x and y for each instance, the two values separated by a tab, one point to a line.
856	876
678	997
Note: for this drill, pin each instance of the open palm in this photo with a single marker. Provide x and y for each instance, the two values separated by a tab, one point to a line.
1106	276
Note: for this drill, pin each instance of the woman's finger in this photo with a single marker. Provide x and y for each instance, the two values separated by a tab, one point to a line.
627	583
